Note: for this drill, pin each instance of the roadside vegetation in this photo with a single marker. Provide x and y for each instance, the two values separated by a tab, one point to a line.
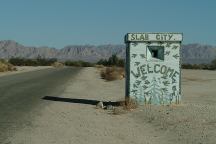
58	65
79	64
6	66
126	105
211	66
111	69
32	62
48	62
114	60
112	73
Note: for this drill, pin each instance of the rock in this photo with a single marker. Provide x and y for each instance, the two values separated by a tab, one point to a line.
100	105
109	107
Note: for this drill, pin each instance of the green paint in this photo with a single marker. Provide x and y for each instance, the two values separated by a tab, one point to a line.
139	37
143	70
157	68
175	75
149	69
136	75
169	72
164	37
163	69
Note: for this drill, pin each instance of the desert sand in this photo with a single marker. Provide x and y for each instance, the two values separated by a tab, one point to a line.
191	122
21	69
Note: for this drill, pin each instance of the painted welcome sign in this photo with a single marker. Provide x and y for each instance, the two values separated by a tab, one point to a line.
153	67
154	37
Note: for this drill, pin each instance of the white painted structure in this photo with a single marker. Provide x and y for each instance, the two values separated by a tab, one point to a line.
153	68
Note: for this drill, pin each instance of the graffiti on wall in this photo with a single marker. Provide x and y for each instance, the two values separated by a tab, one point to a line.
155	82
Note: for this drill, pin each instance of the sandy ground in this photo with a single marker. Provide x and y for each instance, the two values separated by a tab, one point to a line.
21	69
192	122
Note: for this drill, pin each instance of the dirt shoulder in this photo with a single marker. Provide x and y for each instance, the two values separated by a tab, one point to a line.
21	69
70	121
194	120
80	123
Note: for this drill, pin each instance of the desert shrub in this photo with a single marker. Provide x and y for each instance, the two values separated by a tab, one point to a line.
199	66
103	62
112	73
73	63
5	66
190	66
58	65
79	64
121	63
112	61
99	66
45	62
87	64
213	64
186	66
126	105
130	103
32	62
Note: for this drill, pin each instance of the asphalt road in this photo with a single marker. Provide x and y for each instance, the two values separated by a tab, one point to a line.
21	96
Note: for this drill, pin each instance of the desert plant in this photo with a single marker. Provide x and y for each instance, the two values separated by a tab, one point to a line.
5	66
58	65
102	62
79	63
125	105
32	62
112	61
213	64
112	73
99	66
130	103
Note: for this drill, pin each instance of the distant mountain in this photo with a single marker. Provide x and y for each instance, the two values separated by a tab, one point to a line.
10	49
198	54
191	53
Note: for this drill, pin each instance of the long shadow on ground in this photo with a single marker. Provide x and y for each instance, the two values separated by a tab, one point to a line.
80	101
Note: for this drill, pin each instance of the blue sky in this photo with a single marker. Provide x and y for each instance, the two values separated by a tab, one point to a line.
57	23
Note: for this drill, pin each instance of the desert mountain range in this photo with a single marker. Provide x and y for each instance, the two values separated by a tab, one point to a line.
191	53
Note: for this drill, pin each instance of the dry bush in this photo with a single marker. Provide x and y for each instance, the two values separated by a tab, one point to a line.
130	104
5	66
103	73
112	73
99	66
58	65
127	105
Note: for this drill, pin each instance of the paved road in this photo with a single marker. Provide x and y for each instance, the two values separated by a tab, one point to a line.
21	96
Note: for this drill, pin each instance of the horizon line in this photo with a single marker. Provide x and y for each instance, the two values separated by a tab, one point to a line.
104	44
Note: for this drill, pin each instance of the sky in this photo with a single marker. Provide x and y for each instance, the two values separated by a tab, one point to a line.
57	23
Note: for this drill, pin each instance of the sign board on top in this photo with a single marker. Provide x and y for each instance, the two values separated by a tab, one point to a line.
139	37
